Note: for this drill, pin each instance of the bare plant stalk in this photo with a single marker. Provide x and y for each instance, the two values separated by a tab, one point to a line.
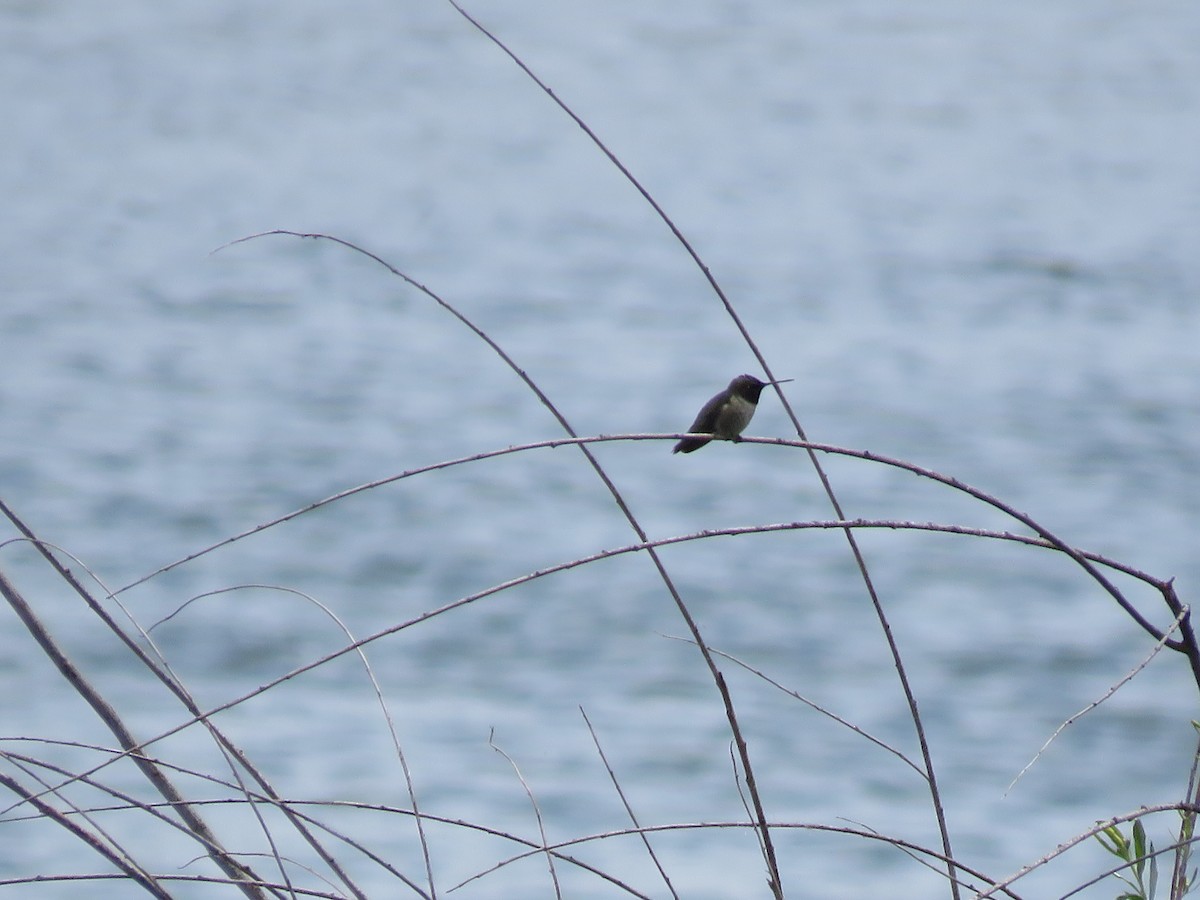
154	809
1050	541
172	684
1003	884
135	872
1044	540
1190	646
1187	827
827	487
537	811
28	763
239	873
1071	720
1181	846
730	714
858	832
822	710
1039	542
410	784
625	802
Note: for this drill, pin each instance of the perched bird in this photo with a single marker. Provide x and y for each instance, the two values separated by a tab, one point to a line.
727	414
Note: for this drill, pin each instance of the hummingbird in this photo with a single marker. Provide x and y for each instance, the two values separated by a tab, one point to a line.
727	414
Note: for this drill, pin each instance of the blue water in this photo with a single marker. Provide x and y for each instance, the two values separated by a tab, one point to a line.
968	233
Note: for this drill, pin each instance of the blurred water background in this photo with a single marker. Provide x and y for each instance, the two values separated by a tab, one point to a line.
968	231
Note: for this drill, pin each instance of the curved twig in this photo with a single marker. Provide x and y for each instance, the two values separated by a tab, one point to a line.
1045	538
1078	839
619	499
826	485
164	674
561	567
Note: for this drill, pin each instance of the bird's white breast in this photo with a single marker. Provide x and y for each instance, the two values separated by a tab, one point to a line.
734	417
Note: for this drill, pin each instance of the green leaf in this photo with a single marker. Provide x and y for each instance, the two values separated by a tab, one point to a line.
1187	823
1139	850
1114	842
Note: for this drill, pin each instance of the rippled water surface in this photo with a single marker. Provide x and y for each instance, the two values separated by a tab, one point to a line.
969	234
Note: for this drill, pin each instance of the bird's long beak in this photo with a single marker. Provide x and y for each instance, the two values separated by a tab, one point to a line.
781	381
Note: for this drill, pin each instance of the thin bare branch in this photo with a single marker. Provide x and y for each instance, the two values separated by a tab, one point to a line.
826	485
625	802
163	673
1046	537
113	853
113	721
1071	720
868	834
814	706
375	687
1078	839
561	567
1187	824
537	811
618	498
1115	870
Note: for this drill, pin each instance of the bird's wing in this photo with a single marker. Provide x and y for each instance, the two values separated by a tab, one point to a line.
708	411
